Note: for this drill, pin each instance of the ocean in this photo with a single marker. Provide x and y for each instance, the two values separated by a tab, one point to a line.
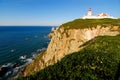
19	44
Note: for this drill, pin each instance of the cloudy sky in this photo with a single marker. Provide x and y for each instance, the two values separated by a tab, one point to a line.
52	12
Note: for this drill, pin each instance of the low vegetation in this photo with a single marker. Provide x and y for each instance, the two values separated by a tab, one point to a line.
86	23
99	60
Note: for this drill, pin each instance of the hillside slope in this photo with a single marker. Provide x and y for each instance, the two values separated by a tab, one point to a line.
69	36
99	60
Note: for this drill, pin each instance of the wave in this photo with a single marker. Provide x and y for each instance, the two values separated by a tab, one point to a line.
39	50
14	69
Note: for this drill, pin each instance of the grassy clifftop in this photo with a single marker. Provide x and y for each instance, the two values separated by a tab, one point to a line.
86	23
100	60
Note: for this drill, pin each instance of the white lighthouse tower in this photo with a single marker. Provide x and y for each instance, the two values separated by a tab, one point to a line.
89	12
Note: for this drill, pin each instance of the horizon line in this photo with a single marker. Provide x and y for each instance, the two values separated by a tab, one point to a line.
28	25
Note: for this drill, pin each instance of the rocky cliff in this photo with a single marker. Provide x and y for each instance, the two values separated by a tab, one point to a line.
65	41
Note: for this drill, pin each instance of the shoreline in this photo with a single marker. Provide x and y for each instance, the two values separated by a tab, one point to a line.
13	70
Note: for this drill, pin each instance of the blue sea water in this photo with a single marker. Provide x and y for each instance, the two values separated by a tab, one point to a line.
17	41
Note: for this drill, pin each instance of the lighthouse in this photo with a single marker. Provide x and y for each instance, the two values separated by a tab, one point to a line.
97	16
89	12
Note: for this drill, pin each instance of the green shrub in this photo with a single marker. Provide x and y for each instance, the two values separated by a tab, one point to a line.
98	61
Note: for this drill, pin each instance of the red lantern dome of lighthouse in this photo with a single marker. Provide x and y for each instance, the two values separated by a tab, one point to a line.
89	9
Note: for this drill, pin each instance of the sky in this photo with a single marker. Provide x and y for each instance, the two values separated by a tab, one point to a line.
52	12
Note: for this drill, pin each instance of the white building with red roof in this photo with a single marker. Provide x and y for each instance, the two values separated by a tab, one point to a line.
98	16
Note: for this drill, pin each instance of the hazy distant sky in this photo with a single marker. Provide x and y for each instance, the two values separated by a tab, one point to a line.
52	12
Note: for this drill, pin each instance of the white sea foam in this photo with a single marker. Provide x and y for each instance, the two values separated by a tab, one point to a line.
39	50
6	65
47	42
12	50
29	60
36	36
34	55
22	57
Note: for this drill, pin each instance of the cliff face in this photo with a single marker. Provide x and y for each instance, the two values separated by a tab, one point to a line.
66	41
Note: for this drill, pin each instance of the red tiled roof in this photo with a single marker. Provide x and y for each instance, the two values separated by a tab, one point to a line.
104	14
